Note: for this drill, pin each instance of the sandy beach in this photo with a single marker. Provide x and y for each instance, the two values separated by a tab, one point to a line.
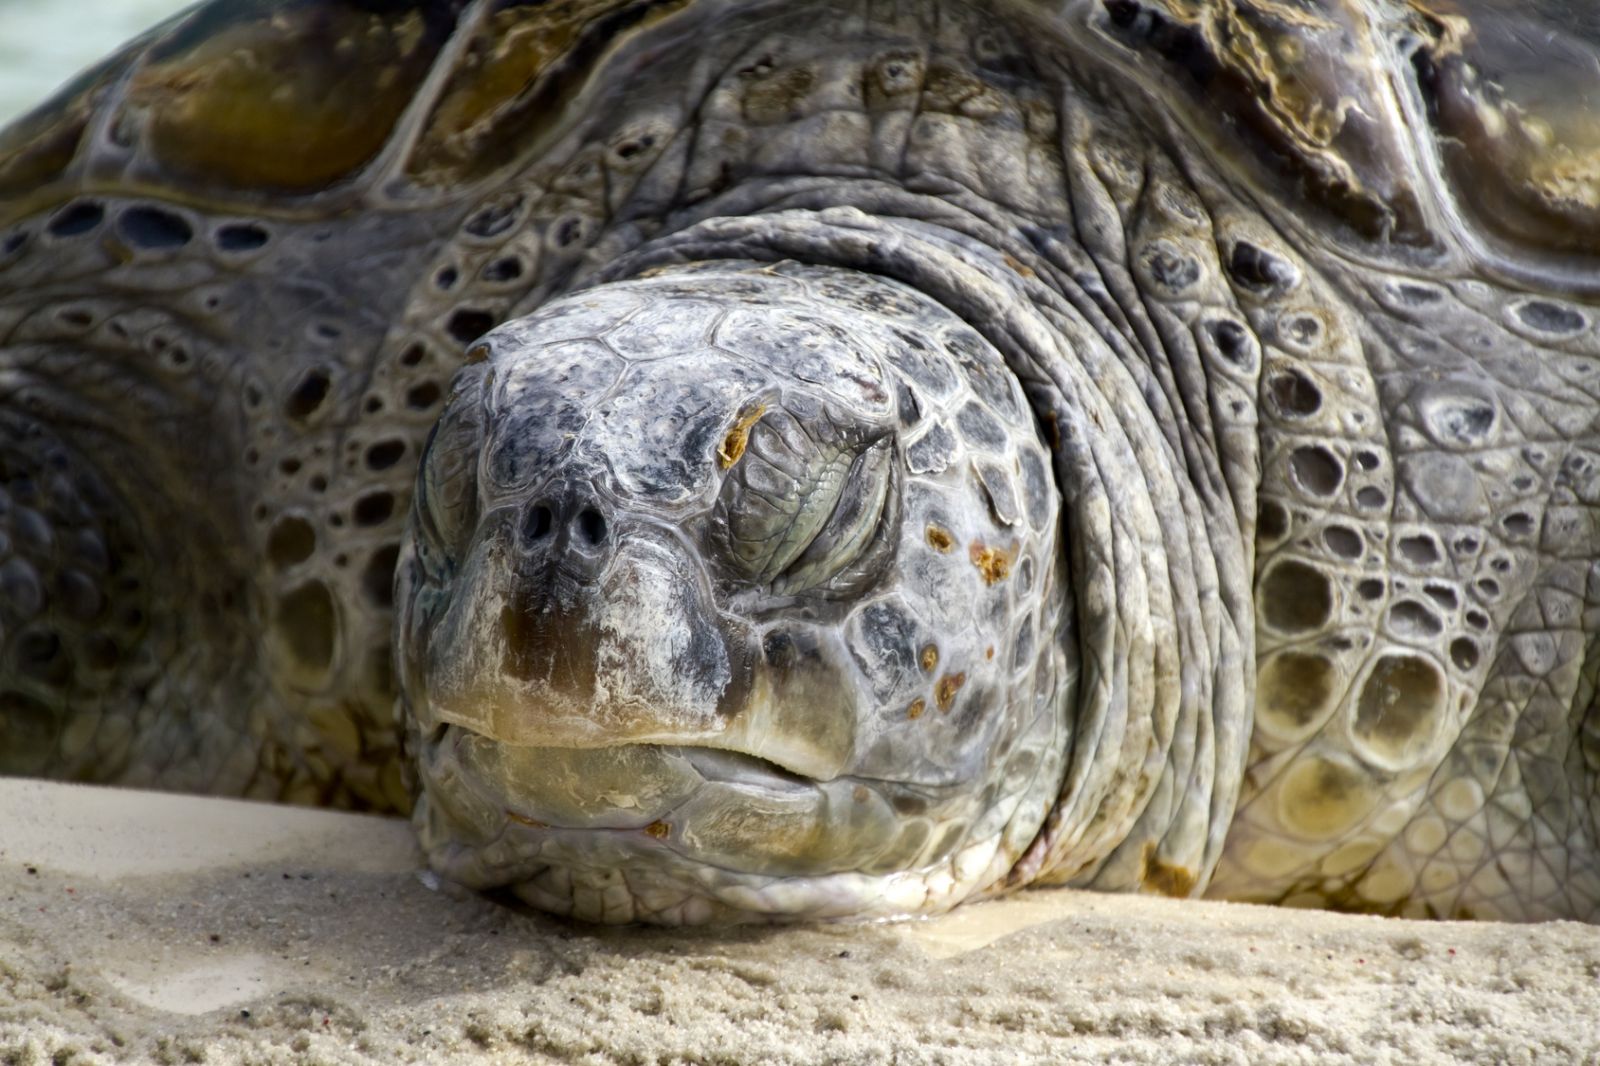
140	927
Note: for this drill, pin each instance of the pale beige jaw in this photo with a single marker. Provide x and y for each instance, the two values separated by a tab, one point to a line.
812	741
722	809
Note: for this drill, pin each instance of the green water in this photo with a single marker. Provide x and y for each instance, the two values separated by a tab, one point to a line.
44	43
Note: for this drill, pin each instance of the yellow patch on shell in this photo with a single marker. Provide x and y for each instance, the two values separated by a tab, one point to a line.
510	91
939	539
738	438
293	99
930	657
914	711
658	830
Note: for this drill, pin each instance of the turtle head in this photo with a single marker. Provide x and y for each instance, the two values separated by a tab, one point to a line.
725	595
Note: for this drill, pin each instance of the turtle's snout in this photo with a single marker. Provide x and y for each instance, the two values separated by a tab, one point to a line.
568	530
573	621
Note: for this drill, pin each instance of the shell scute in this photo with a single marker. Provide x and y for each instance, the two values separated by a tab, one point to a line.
518	78
1508	90
251	97
1293	82
291	98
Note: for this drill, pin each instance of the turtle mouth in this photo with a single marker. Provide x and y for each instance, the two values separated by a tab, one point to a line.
714	762
625	786
813	741
714	766
707	806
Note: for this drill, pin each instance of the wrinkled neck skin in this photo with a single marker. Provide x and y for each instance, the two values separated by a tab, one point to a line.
1154	558
1150	433
1150	427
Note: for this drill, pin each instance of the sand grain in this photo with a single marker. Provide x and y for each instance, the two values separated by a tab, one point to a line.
336	951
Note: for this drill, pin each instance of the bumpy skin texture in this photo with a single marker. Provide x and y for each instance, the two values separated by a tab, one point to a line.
635	590
1287	300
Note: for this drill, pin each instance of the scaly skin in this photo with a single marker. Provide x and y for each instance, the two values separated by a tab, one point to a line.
1321	443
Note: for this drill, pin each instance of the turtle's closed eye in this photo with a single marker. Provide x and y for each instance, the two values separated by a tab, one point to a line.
803	506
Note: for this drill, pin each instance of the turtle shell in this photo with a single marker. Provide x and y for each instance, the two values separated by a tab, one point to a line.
1508	88
1414	127
284	104
277	102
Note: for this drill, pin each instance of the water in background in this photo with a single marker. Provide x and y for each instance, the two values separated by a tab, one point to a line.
43	44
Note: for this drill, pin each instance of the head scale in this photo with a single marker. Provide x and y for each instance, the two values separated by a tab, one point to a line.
734	595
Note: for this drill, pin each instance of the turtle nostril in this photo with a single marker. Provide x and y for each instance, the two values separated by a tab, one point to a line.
538	523
591	526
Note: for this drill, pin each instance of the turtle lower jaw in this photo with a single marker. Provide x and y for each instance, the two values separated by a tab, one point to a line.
684	834
731	859
626	786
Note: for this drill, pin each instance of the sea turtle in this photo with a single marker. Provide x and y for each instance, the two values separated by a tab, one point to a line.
827	459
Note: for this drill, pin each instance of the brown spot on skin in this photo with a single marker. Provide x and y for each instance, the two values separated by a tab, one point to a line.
988	653
658	830
1018	265
945	691
477	353
779	96
993	563
1052	430
930	657
860	794
939	539
1174	881
733	445
522	819
914	711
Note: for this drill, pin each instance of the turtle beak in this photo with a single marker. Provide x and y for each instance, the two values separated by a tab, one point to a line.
576	626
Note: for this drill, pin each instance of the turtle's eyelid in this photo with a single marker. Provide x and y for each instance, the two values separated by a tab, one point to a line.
433	506
792	520
857	515
427	515
804	493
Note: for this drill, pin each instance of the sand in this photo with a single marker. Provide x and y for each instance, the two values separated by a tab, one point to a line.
144	927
